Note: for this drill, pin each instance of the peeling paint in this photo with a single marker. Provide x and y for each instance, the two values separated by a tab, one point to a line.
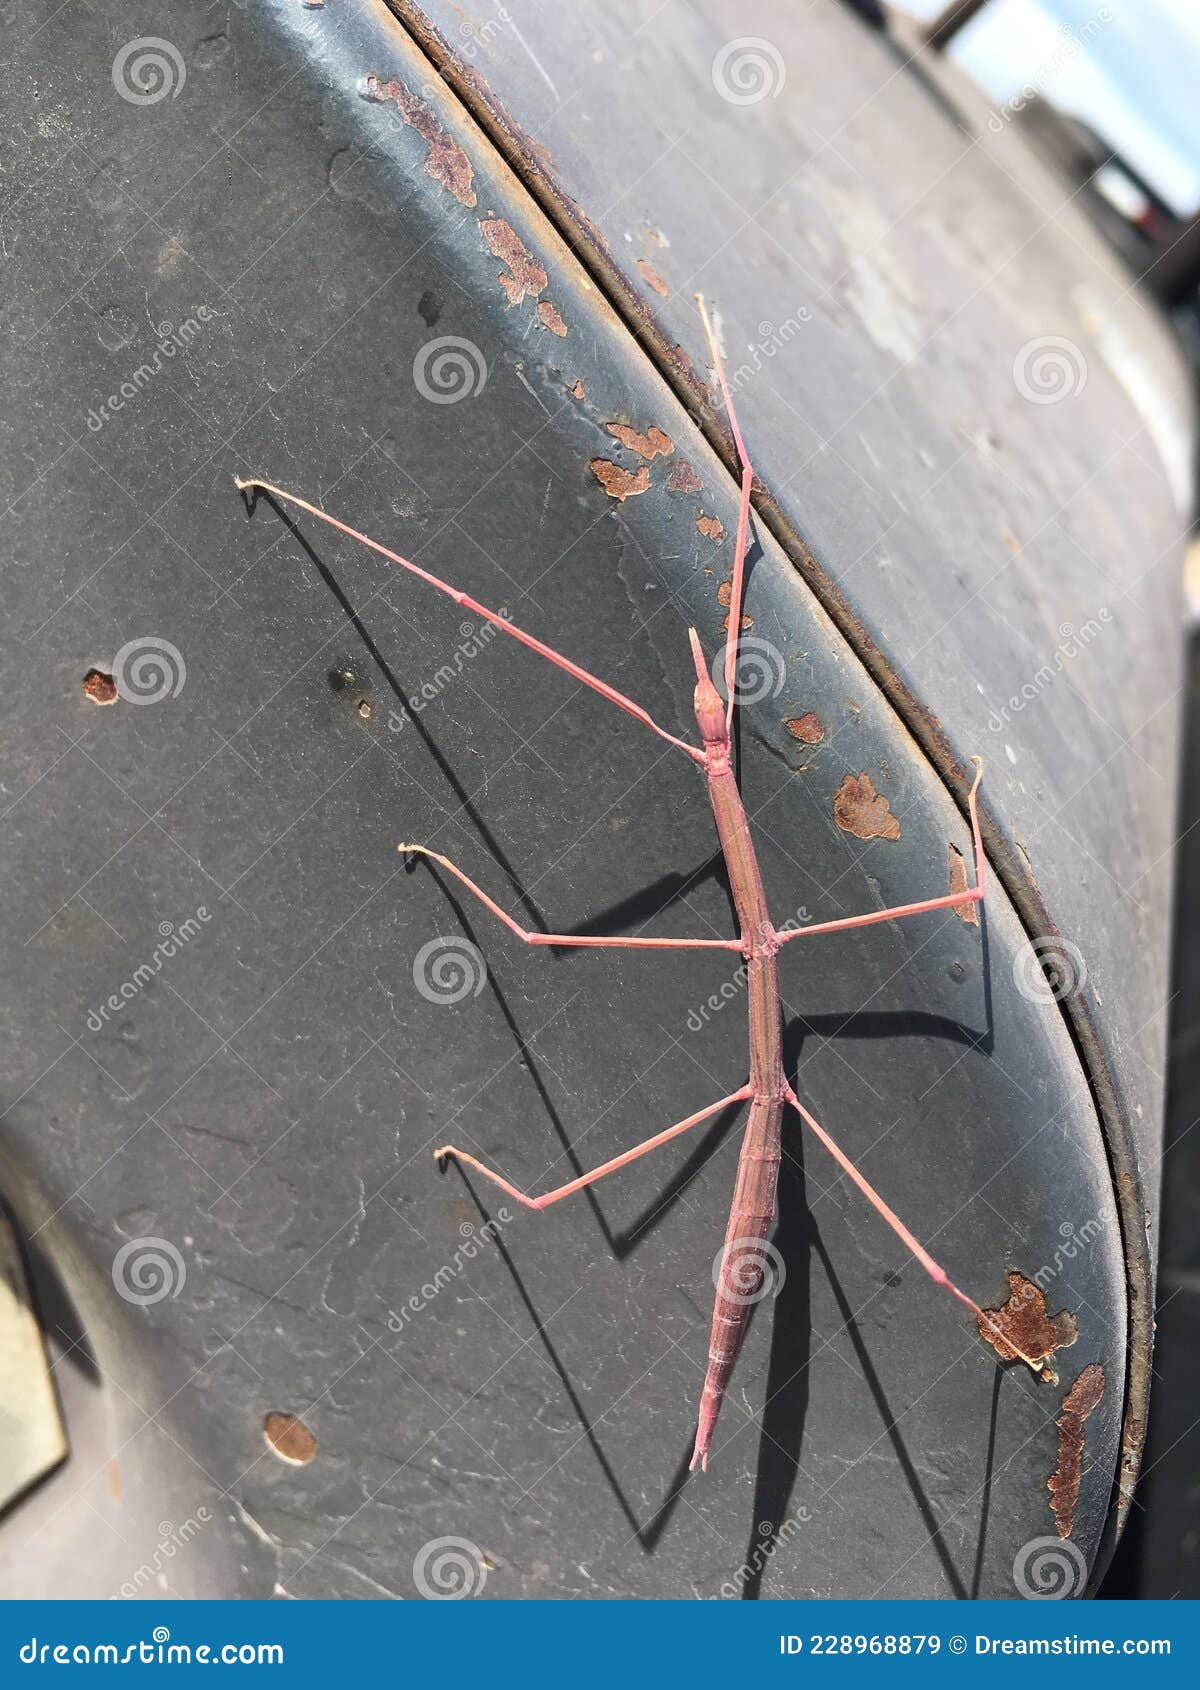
682	478
652	278
577	392
289	1438
1063	1483
809	729
618	483
100	687
653	444
446	162
524	274
550	319
860	810
958	883
1023	1320
710	526
725	597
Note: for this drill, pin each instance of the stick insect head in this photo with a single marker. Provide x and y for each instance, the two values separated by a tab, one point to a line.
710	712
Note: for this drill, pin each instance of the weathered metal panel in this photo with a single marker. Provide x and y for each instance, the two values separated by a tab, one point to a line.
266	1099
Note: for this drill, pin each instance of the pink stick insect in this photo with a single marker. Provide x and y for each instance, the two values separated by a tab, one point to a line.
766	1089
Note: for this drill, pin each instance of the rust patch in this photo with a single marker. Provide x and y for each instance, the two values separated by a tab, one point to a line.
445	162
711	526
682	478
653	444
809	729
525	274
725	596
958	883
290	1439
551	320
652	278
1063	1483
1022	1322
860	810
620	483
100	687
577	391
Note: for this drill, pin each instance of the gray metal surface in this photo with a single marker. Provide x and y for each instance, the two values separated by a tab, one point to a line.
266	1103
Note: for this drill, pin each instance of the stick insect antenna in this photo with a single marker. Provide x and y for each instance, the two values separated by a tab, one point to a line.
736	591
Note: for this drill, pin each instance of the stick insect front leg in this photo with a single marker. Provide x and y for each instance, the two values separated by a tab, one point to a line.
465	1158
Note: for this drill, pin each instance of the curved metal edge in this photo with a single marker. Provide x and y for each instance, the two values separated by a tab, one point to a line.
1080	1010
